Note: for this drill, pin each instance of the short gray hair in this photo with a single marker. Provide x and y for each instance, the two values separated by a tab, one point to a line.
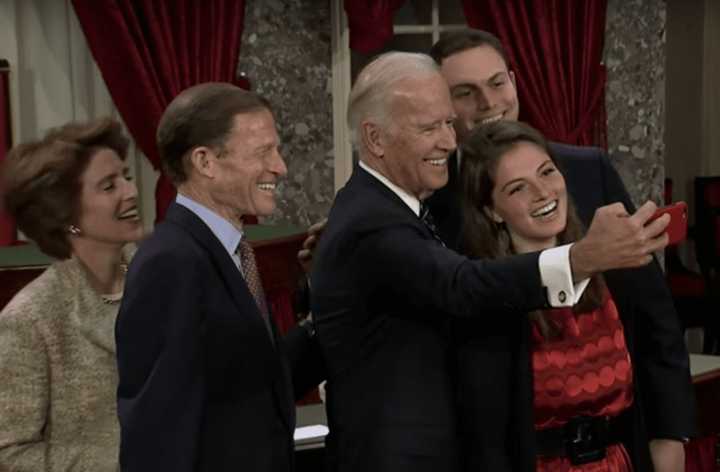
369	96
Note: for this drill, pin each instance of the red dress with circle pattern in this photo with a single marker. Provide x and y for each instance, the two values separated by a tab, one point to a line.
585	370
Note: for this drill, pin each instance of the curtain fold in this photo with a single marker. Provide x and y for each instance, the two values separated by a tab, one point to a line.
8	233
150	50
370	23
555	49
700	454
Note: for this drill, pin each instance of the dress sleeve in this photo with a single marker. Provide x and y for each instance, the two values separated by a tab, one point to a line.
24	391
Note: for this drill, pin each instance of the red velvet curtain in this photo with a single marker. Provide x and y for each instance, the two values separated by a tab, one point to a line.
555	49
370	23
150	50
8	234
700	454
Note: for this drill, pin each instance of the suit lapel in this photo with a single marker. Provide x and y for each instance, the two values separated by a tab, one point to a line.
445	206
362	178
244	301
230	273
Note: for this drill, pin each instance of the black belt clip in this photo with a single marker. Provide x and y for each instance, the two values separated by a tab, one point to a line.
586	439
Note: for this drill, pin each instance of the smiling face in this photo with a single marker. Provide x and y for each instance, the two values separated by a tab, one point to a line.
530	197
482	88
245	174
108	210
414	148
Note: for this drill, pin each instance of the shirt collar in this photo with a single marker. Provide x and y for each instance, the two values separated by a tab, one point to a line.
228	235
409	200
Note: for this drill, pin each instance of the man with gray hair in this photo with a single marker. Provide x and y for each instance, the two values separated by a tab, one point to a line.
385	285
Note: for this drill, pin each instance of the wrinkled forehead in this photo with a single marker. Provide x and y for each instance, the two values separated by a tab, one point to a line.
428	96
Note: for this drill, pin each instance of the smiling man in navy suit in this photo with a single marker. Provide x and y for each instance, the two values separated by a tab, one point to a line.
206	384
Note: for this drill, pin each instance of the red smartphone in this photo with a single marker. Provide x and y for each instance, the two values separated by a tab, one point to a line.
677	228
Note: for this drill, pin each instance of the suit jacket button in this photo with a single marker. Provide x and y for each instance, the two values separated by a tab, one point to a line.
562	296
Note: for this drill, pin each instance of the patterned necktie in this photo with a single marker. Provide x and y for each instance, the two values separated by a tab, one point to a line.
252	279
427	218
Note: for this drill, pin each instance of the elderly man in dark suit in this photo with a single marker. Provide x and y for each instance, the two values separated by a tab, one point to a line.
205	382
384	284
482	87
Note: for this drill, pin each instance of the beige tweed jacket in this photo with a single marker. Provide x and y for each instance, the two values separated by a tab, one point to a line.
58	376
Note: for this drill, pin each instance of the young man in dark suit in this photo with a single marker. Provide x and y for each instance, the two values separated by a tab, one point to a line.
384	284
483	89
205	382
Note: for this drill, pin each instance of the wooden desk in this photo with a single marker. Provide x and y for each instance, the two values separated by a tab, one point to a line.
310	452
310	415
276	248
19	265
705	371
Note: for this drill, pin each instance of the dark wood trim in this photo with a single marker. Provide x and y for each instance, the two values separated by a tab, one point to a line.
706	377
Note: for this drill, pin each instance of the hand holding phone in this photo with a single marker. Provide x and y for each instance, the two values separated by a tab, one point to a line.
677	228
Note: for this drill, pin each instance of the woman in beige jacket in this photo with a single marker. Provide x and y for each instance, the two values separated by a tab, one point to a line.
71	193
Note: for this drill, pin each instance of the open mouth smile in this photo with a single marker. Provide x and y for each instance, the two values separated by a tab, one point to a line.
267	187
491	119
545	210
437	162
129	214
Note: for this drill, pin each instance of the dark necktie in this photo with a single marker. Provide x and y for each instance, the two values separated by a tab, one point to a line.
427	218
252	279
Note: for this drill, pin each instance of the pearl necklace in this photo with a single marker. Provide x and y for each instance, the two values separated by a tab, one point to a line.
114	298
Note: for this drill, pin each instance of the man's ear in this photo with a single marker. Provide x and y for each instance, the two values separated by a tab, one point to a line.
372	138
512	79
492	214
202	161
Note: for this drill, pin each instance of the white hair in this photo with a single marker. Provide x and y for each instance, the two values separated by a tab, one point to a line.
369	95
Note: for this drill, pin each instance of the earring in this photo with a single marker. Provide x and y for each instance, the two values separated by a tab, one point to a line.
74	230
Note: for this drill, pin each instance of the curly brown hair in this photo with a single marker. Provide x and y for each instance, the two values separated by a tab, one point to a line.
41	179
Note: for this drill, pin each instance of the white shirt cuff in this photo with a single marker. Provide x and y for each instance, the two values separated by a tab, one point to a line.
556	276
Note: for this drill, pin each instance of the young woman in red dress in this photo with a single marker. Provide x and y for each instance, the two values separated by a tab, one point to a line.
554	392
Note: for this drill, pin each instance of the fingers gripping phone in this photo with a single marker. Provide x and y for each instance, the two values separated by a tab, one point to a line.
677	228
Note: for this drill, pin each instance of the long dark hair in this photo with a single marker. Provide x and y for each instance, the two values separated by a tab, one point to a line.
482	237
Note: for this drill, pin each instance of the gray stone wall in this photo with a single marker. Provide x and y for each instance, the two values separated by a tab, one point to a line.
635	94
286	54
